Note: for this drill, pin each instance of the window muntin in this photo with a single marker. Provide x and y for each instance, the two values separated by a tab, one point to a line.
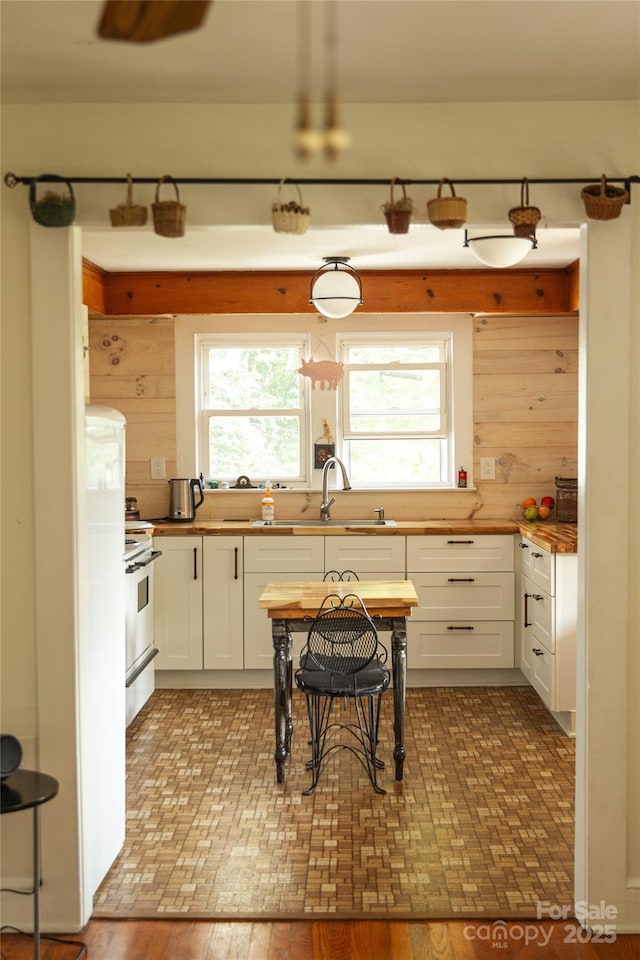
253	411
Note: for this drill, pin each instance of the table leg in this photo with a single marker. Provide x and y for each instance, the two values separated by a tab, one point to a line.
399	666
282	697
36	883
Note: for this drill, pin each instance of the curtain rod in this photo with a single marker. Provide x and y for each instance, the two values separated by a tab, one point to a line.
12	180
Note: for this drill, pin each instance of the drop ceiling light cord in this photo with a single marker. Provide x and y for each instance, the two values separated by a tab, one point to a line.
306	140
335	138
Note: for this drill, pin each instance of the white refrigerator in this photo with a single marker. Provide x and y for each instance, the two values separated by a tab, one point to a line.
102	646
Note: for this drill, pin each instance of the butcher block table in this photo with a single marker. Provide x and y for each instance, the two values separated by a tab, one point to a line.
292	606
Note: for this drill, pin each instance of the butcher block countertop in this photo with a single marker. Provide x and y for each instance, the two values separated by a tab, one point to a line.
554	537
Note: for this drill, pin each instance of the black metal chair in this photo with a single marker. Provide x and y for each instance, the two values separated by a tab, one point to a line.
335	576
343	658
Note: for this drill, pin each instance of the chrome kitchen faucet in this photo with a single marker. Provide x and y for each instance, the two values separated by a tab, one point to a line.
346	485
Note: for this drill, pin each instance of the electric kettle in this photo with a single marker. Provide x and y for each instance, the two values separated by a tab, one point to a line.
182	501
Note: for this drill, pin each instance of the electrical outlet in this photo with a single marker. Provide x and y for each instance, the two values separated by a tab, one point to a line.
487	468
158	469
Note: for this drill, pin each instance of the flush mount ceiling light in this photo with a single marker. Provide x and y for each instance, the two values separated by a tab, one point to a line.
336	288
500	250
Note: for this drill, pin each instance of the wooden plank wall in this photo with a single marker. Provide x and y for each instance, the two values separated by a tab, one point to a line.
525	401
132	368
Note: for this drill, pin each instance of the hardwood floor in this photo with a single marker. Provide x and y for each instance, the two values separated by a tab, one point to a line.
328	940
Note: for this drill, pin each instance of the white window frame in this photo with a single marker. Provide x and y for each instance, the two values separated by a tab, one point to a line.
206	341
457	425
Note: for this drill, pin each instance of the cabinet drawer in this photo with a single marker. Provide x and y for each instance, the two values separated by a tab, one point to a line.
460	552
460	645
462	596
538	613
272	554
542	674
538	565
365	555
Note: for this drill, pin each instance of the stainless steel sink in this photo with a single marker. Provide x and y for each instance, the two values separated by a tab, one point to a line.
267	524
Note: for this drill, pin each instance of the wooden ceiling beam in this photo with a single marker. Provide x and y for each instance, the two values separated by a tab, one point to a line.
513	291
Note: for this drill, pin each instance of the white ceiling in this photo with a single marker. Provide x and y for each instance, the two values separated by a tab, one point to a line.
390	51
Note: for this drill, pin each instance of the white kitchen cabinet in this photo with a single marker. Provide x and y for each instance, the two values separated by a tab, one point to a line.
548	610
267	559
198	603
466	601
222	603
178	603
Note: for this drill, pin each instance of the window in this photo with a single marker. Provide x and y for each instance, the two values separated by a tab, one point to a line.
398	424
401	418
252	410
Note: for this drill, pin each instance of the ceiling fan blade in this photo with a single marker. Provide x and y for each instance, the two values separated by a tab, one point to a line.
141	21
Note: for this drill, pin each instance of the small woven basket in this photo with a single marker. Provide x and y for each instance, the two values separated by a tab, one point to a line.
398	212
291	217
603	201
524	218
128	214
53	209
169	216
447	213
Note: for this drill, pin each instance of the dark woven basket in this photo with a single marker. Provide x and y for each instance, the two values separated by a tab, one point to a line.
524	218
169	216
53	209
398	212
603	201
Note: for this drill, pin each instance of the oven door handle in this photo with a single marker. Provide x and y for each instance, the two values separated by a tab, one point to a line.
135	672
144	563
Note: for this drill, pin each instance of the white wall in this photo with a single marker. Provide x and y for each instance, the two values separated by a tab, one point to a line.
454	140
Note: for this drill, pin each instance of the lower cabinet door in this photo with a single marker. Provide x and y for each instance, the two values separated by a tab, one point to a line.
177	604
460	645
223	615
258	642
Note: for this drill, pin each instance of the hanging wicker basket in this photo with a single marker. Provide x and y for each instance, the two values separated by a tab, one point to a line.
447	213
291	217
53	209
169	216
603	201
524	218
128	214
398	212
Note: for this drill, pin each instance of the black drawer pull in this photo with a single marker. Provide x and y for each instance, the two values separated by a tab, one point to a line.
537	555
526	612
195	563
460	628
461	541
524	546
537	651
461	580
537	596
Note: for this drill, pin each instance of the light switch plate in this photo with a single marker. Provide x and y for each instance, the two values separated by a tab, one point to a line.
487	468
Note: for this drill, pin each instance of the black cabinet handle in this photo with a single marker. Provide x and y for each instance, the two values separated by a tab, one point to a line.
537	596
195	563
537	651
526	614
461	580
460	628
460	541
235	563
524	546
537	555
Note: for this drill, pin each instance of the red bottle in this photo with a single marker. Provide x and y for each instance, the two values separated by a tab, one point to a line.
462	477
